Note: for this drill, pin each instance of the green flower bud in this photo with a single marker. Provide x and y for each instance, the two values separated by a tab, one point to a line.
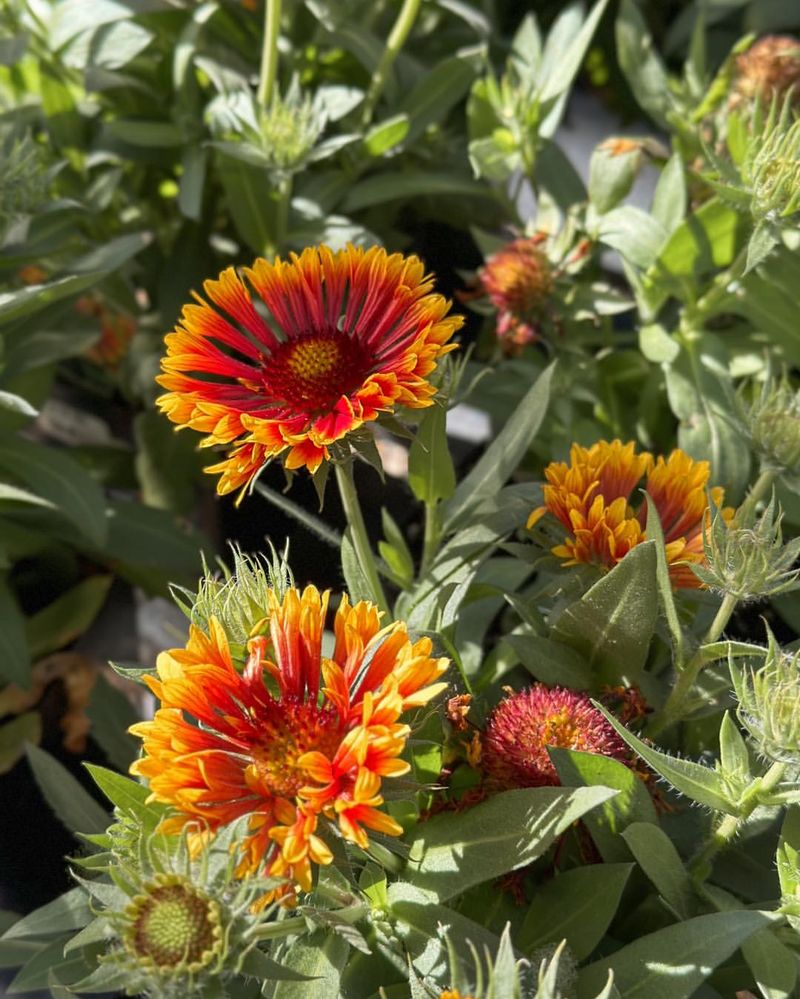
769	703
773	422
747	559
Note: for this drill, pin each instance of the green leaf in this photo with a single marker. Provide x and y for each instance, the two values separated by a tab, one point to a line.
662	864
612	624
577	906
394	185
787	858
358	586
108	978
774	966
395	551
504	454
418	919
439	90
128	795
67	912
734	757
637	235
68	617
665	591
322	956
150	134
16	404
13	736
386	135
551	662
258	965
670	197
76	808
430	467
632	803
47	963
570	59
705	240
15	660
111	714
640	63
701	784
248	193
673	962
450	854
167	463
14	494
61	481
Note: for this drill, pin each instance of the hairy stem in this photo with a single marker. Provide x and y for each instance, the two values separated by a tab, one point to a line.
729	825
760	490
358	532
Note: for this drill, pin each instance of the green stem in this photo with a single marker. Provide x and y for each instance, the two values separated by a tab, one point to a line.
671	712
432	536
282	196
358	532
394	43
269	52
279	928
695	315
729	826
761	488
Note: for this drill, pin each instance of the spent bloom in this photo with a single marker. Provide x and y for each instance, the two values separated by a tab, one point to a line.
289	358
591	496
769	703
291	739
769	69
517	279
524	724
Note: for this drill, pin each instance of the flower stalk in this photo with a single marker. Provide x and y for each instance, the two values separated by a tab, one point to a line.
269	52
358	533
394	43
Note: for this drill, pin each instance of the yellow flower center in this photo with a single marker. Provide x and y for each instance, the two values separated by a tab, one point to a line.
313	358
173	924
299	729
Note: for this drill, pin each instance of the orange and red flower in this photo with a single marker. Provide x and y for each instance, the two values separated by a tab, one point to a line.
591	497
292	737
522	726
517	279
303	353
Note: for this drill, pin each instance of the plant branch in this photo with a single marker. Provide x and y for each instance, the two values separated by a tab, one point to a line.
394	43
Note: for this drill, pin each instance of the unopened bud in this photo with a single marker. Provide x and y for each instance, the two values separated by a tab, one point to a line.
747	559
769	703
773	422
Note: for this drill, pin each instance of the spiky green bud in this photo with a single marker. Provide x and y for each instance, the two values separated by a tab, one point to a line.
747	558
769	703
773	423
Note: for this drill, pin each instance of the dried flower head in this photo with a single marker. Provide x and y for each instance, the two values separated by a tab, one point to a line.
769	702
293	738
591	497
305	353
769	69
525	723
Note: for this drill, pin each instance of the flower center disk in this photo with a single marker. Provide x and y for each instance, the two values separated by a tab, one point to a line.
173	925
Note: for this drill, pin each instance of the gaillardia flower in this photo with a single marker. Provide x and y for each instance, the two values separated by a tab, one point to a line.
524	724
291	738
289	358
517	279
591	497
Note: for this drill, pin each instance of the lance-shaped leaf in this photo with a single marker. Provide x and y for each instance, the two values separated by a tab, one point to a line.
672	963
701	784
450	853
612	624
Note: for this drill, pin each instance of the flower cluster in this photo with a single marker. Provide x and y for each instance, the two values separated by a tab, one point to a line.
326	343
293	737
591	496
